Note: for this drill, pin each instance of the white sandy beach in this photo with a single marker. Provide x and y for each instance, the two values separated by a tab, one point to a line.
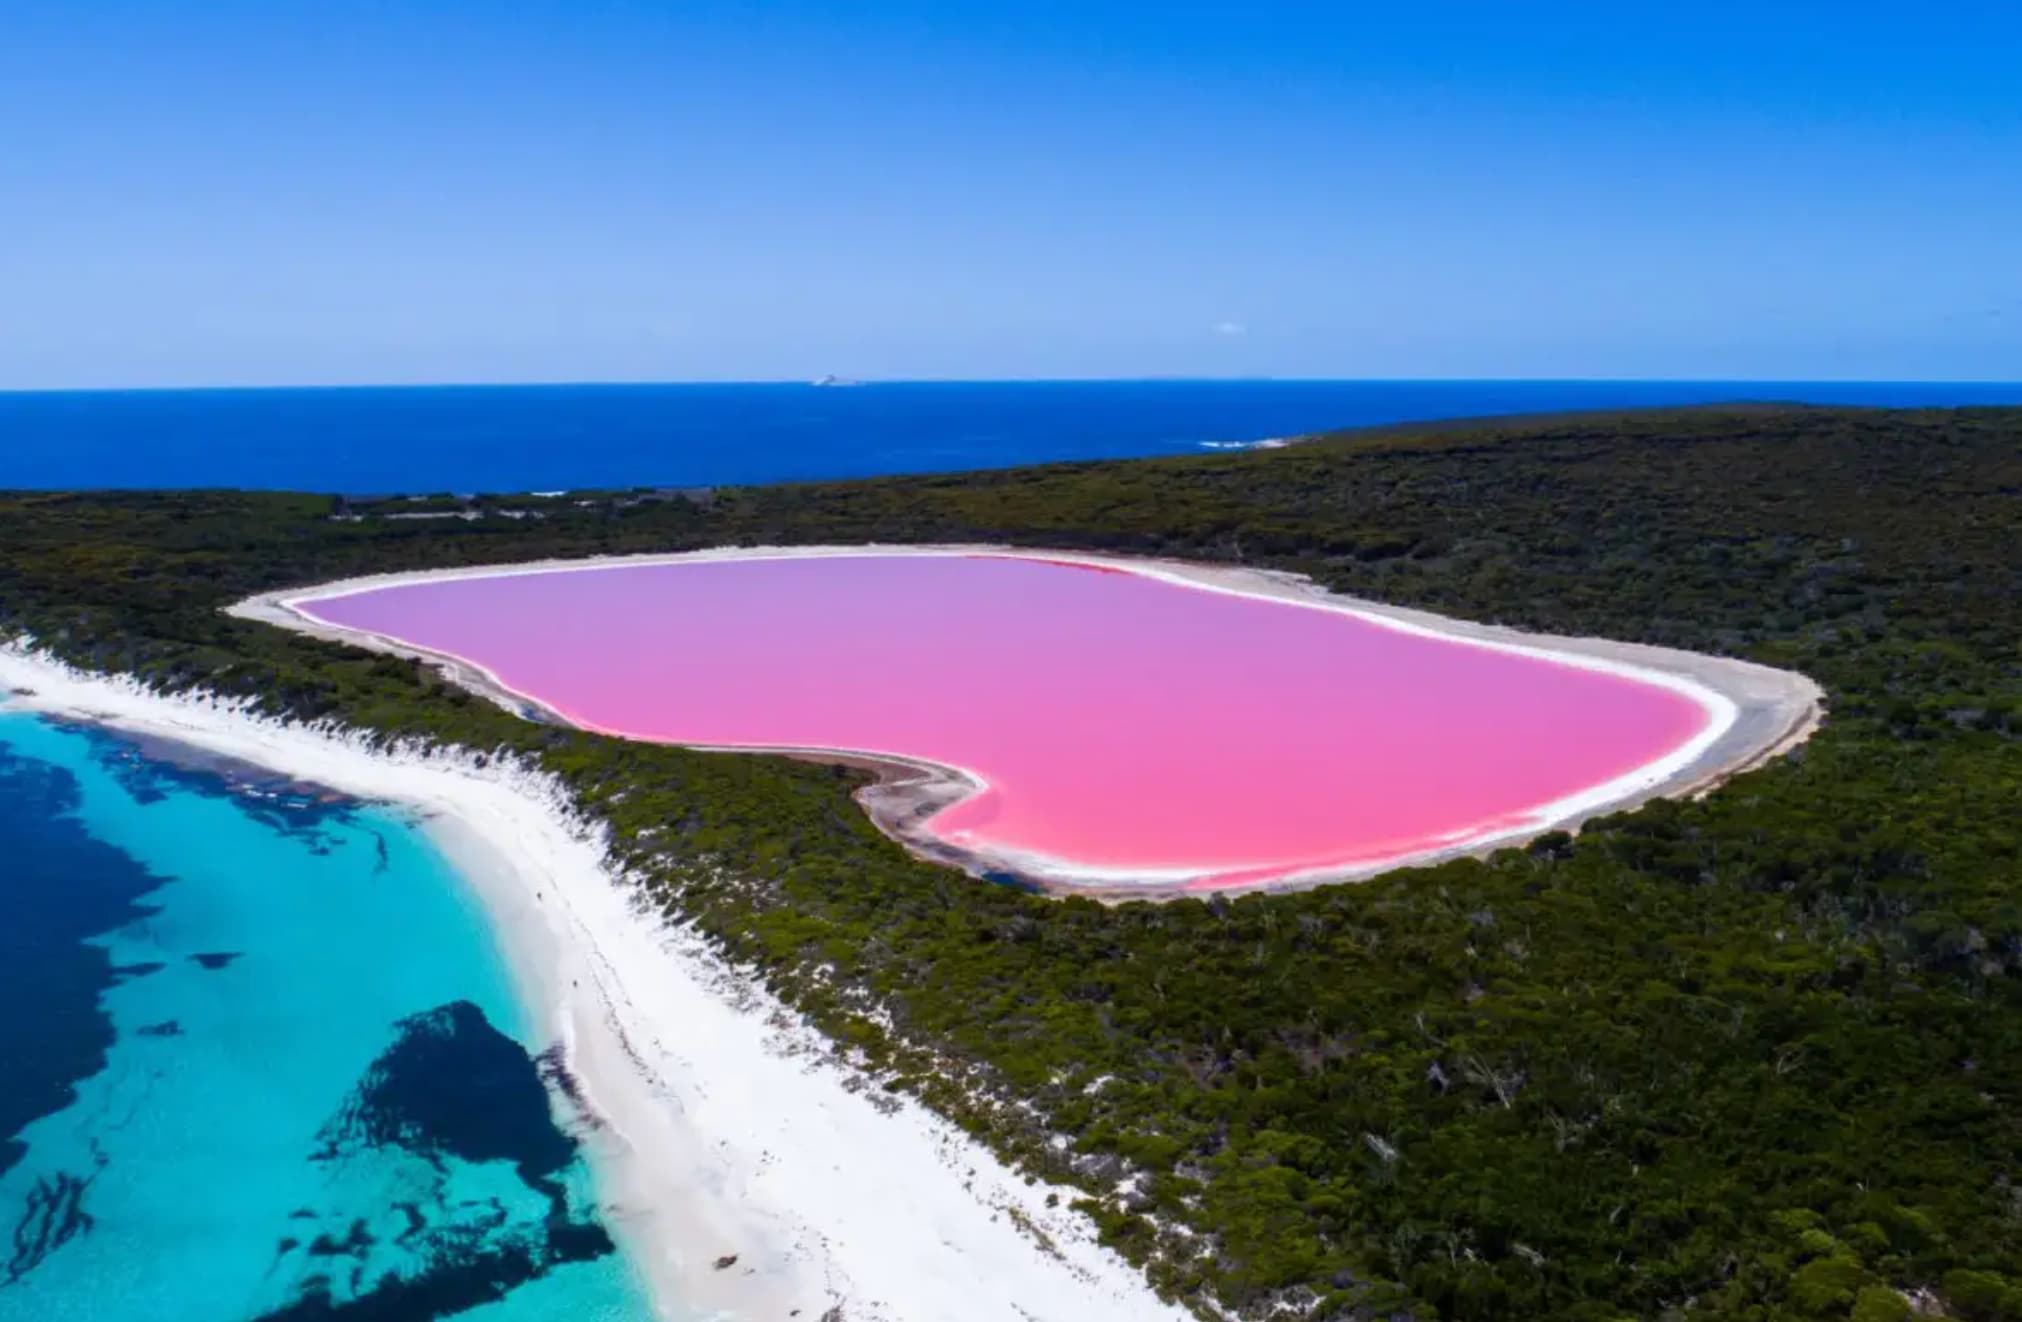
726	1126
1753	712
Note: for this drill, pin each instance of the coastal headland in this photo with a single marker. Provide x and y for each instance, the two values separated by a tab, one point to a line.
1739	1052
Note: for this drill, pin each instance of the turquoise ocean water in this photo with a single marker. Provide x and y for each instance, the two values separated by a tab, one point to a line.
262	1060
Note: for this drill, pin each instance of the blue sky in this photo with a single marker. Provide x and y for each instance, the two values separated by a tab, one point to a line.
381	192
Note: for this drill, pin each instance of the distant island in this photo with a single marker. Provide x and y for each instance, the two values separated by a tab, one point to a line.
1751	1053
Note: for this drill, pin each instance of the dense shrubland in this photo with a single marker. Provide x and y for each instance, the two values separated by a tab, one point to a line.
1756	1056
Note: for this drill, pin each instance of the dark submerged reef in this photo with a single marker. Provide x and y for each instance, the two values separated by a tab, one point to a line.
58	888
150	769
52	1215
1757	1055
451	1087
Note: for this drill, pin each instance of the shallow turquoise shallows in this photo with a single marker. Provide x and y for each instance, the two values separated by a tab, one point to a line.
317	1096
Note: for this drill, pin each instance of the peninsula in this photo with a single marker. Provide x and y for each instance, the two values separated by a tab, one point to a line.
1743	1044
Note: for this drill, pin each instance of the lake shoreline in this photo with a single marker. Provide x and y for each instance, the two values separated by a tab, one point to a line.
1754	713
745	1168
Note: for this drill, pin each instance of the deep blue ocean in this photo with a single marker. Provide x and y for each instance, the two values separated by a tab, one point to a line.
263	1061
380	441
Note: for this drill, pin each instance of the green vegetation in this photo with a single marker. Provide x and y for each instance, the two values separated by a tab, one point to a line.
1756	1056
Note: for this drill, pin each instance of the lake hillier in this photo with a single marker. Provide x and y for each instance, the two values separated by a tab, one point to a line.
1117	725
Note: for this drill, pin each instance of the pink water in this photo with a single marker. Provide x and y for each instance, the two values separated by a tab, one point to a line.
1119	721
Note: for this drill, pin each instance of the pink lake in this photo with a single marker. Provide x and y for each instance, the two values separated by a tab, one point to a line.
1124	726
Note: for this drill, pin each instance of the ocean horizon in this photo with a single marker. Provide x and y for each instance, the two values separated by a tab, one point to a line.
387	440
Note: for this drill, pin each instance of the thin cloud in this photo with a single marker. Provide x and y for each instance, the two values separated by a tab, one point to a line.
1231	328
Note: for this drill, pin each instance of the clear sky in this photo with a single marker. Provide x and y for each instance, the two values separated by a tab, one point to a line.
373	191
